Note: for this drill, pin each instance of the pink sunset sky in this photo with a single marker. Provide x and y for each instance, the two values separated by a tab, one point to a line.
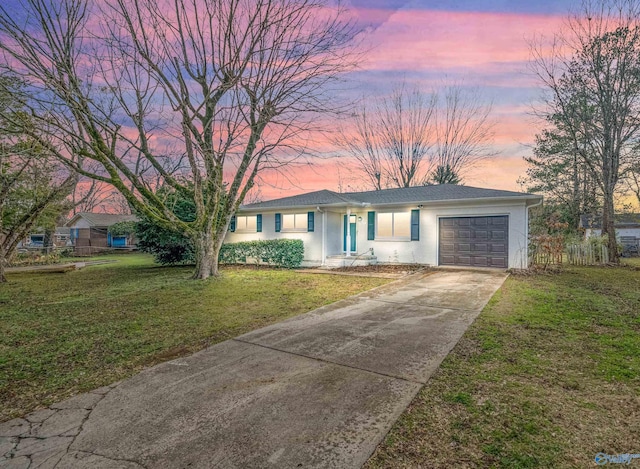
429	44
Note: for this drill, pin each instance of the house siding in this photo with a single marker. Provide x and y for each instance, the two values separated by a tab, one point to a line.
422	251
312	240
425	251
619	232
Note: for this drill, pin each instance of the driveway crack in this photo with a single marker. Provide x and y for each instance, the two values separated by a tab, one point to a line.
84	420
110	458
322	360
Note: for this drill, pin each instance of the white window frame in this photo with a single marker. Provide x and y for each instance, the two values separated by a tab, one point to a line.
302	218
393	236
242	228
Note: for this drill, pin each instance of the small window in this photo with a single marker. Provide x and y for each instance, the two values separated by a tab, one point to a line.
247	223
294	222
393	225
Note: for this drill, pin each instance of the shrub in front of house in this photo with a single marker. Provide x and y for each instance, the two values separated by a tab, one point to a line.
287	253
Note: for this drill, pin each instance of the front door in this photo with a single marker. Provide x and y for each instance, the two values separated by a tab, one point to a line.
353	234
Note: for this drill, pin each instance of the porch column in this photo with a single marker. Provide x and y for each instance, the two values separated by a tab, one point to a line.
348	241
324	237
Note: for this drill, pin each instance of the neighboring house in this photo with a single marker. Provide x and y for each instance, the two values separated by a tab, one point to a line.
436	225
36	240
627	226
92	230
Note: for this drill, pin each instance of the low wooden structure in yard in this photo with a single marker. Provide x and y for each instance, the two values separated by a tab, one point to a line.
552	250
587	254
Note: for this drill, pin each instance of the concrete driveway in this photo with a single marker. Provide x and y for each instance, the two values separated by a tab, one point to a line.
318	390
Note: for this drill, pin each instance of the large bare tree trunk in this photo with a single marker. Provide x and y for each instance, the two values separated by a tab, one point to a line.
205	261
3	279
238	86
207	244
608	228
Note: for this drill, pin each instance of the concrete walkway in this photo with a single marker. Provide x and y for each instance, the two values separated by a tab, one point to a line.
318	390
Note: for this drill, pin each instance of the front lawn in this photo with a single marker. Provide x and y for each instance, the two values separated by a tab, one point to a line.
547	376
61	334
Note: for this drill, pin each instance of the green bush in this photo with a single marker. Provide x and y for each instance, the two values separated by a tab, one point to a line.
28	258
168	246
123	228
287	253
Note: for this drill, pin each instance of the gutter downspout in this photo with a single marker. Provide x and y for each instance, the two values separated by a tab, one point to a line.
537	204
324	235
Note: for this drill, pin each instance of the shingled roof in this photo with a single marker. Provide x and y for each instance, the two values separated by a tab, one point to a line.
620	220
101	219
407	195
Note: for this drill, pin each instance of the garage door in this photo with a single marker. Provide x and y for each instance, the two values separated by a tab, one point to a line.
474	241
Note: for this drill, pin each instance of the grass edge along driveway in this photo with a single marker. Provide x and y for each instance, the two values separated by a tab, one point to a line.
61	334
547	376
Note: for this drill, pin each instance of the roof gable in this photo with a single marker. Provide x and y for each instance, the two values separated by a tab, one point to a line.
322	197
101	219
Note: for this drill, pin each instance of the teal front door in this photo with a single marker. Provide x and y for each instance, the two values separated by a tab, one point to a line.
353	234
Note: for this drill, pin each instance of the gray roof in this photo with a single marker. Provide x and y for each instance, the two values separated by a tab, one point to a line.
407	195
620	220
101	219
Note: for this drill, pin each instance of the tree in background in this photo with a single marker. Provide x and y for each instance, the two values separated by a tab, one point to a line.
33	186
592	79
412	139
633	180
196	96
93	196
443	174
464	134
557	171
390	141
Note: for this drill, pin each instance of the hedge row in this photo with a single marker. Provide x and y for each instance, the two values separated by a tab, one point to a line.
287	253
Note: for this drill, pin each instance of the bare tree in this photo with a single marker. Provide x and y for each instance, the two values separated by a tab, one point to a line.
592	78
390	143
96	196
411	139
33	186
634	183
464	133
231	86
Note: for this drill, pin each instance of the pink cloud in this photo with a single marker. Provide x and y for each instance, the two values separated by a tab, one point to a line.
426	39
501	172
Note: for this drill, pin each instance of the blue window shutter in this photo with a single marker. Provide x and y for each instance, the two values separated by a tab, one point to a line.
310	221
371	225
232	225
278	222
109	240
415	225
259	223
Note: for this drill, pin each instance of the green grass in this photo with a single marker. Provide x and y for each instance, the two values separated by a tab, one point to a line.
61	334
632	261
547	376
